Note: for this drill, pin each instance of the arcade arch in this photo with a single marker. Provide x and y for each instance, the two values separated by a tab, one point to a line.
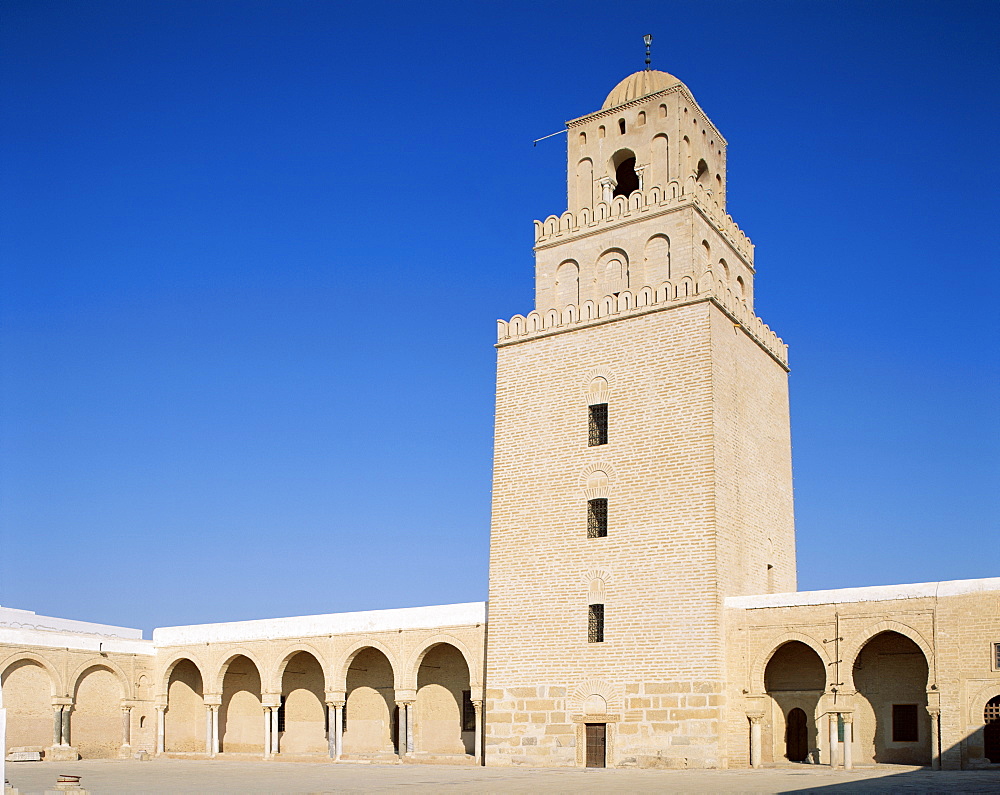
95	721
795	680
27	697
241	726
891	721
302	720
370	713
184	719
445	720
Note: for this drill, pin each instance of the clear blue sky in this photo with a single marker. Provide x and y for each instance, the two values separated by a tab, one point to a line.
252	255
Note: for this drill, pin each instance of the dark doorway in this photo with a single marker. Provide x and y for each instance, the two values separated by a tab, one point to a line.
626	177
596	744
991	733
796	736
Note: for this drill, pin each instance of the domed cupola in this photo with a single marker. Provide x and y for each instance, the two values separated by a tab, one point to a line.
639	84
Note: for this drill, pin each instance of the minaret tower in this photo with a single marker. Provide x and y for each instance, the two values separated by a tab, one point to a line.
642	465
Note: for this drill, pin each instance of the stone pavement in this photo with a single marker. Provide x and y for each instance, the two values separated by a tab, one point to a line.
225	776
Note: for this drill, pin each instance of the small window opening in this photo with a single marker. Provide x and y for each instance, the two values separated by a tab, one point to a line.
142	721
600	131
281	715
468	712
663	111
583	139
597	518
640	119
996	656
621	126
905	728
598	422
628	180
595	624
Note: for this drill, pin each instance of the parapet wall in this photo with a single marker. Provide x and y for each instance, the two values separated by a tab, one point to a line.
627	304
640	202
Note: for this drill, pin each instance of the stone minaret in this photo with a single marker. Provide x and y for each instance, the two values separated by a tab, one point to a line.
642	467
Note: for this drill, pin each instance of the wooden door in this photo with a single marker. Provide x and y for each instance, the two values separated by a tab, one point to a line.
596	742
796	736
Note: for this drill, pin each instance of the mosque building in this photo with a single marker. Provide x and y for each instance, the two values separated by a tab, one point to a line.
642	607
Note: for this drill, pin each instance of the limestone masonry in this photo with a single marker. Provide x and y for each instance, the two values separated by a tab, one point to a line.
642	585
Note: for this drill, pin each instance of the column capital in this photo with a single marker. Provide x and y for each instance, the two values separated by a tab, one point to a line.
755	717
405	702
62	701
848	717
934	712
160	707
477	704
336	702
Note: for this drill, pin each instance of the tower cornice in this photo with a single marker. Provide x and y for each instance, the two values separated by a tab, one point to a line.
680	88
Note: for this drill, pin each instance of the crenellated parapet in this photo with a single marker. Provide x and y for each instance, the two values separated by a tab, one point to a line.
628	304
644	202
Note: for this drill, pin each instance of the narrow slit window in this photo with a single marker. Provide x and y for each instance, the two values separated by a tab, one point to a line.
597	518
595	624
598	424
905	728
621	126
281	715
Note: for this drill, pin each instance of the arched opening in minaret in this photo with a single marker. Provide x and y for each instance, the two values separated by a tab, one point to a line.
625	176
702	175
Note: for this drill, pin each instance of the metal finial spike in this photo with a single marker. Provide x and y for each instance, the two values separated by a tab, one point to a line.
648	38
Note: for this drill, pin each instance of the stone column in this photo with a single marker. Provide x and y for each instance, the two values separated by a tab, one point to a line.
638	173
478	707
57	724
848	740
267	732
208	729
834	742
215	729
401	733
935	714
160	725
409	727
127	727
755	741
338	729
275	734
67	708
607	189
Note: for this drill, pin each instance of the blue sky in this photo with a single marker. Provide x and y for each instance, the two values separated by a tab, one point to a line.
252	254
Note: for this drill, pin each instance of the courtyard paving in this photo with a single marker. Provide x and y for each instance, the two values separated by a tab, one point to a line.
174	776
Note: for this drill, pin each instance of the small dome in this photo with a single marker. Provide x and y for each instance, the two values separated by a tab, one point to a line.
639	85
